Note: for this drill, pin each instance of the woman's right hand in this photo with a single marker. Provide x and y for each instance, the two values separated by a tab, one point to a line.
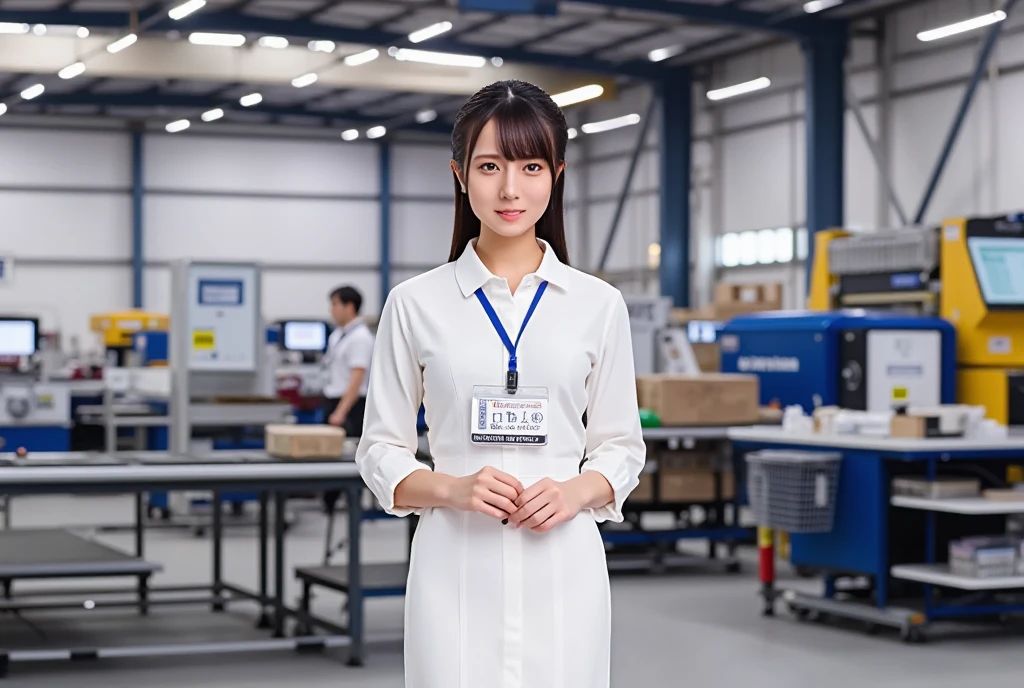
488	491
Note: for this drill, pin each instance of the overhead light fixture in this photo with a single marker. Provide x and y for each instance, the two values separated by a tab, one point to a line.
275	42
362	58
82	32
39	29
223	40
660	54
186	8
424	116
497	61
33	92
350	134
305	80
578	95
122	43
3	108
819	5
430	32
72	70
322	46
375	132
739	89
573	133
443	59
212	115
609	124
178	125
250	100
961	27
12	28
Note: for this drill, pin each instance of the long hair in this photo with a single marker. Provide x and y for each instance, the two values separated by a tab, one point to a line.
529	126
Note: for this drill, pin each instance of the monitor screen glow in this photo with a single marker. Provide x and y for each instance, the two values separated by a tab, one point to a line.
999	264
304	336
18	337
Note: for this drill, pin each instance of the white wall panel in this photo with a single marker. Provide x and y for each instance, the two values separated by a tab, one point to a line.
743	112
289	294
957	63
639	228
861	173
1008	180
271	230
65	297
421	170
156	289
255	165
65	158
757	174
44	224
607	177
421	233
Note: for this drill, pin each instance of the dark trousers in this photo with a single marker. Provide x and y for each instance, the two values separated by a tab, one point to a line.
353	424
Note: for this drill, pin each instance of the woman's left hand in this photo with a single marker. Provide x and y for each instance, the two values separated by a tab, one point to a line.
546	504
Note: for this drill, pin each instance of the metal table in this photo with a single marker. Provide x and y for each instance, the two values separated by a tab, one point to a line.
272	480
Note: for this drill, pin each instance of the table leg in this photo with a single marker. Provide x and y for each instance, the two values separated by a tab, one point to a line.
280	500
355	574
217	506
140	524
264	620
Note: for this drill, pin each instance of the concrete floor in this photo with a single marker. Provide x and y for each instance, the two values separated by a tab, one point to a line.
688	629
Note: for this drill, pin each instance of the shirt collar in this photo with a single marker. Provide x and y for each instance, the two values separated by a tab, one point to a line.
356	322
471	273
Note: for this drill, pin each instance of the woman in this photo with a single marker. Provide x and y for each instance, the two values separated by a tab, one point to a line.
508	584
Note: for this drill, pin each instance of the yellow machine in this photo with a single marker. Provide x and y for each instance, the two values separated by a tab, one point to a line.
118	330
970	271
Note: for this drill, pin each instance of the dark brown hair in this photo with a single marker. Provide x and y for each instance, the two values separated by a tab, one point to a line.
530	126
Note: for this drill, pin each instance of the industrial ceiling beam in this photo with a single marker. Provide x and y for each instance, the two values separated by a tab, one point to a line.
783	23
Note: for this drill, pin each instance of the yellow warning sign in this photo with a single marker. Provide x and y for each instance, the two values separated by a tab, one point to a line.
900	394
203	339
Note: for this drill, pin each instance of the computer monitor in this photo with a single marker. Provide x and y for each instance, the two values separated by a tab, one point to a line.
307	336
18	336
999	265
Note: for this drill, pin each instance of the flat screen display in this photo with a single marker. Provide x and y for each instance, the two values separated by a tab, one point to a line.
999	264
302	335
18	337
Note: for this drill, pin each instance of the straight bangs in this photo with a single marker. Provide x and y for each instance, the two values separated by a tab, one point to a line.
522	134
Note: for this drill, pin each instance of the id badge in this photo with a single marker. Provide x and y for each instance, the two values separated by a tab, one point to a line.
500	418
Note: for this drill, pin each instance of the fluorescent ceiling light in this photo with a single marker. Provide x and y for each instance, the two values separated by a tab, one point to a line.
573	133
322	46
739	89
609	124
430	32
578	95
350	134
33	92
10	27
362	58
375	132
122	43
819	5
305	80
3	108
226	40
961	27
72	70
39	29
276	42
186	8
212	115
659	54
251	99
424	116
178	125
443	59
497	61
82	32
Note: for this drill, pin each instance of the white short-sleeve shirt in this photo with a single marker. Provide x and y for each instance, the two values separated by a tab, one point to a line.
348	347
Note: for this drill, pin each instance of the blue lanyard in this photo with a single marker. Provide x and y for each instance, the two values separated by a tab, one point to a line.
512	377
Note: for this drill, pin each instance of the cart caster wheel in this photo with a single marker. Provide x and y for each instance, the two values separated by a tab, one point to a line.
912	635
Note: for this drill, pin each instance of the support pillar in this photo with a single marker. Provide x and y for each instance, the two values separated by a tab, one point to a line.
385	222
138	191
675	147
826	118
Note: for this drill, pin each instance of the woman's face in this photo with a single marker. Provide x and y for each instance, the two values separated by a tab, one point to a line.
508	196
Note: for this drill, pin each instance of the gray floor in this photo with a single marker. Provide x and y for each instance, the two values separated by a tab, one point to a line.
692	628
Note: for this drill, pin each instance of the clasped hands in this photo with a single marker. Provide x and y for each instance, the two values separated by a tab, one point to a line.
540	507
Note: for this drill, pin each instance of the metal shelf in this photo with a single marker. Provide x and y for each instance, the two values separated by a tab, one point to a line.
977	506
938	574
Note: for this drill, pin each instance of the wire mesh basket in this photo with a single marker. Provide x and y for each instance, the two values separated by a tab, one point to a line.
793	491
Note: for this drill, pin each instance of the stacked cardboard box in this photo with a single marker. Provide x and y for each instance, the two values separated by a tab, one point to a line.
739	299
305	441
712	399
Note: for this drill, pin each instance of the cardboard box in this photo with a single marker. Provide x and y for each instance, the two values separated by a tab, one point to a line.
644	492
693	485
712	399
918	427
305	441
739	299
709	357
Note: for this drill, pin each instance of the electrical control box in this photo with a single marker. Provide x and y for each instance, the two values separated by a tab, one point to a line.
222	320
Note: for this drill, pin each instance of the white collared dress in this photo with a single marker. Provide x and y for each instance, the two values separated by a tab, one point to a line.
487	605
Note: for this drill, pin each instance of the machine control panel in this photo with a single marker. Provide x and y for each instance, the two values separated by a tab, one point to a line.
223	317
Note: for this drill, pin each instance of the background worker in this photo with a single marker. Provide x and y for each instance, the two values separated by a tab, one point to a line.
349	352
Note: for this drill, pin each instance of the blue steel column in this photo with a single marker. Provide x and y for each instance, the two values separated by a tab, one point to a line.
676	91
824	54
138	191
385	222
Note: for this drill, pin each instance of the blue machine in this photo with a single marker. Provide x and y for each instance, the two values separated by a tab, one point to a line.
867	361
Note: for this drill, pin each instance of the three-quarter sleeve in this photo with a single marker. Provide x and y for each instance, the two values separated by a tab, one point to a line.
387	449
615	444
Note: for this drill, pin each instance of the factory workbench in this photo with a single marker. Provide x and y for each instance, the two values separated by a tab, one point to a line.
896	541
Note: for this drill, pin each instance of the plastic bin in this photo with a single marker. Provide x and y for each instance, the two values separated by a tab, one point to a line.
793	491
